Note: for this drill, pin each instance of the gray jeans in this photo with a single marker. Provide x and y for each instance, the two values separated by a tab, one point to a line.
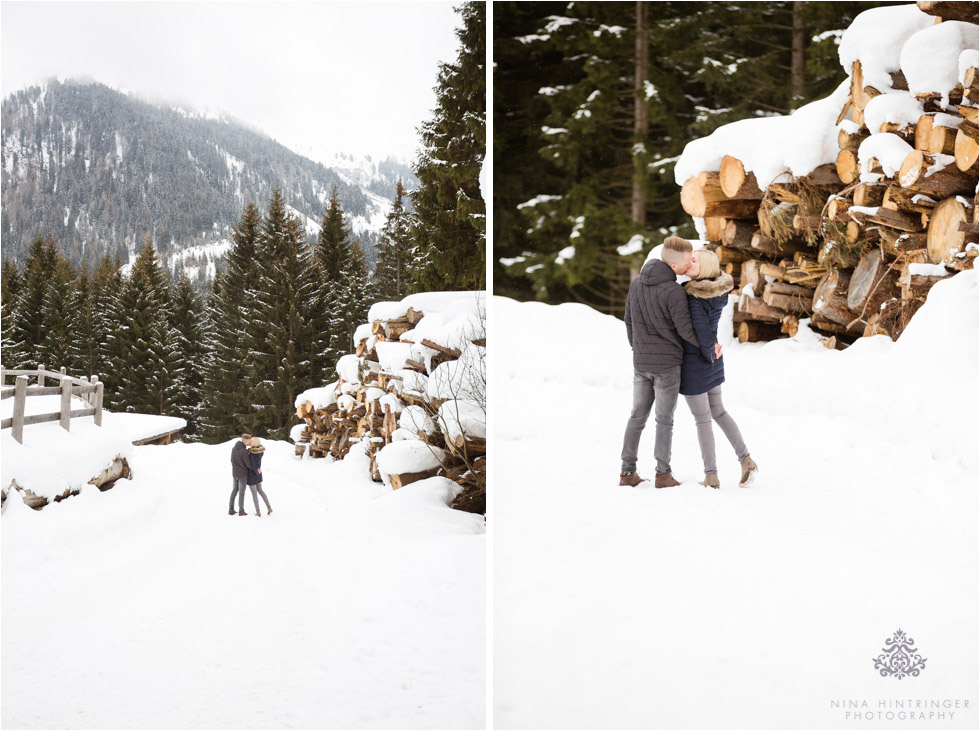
256	491
652	389
237	486
708	406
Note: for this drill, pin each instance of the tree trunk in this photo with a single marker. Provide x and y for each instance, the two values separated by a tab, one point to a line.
641	122
798	63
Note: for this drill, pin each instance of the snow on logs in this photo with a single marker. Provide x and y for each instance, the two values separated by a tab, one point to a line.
850	209
412	395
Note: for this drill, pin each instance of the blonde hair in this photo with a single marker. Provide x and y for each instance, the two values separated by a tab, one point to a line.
675	250
710	267
256	442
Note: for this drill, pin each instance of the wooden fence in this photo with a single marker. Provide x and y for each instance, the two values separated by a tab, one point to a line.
90	390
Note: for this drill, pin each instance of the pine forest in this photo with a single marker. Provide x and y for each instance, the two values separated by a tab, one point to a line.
283	305
595	101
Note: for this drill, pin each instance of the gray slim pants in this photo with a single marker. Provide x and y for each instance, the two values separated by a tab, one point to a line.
256	491
237	486
649	390
708	406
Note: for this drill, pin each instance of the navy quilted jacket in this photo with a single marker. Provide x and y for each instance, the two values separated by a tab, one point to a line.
255	462
657	319
701	371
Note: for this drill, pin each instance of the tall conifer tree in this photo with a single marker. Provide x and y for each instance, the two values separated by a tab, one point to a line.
142	357
10	282
61	315
451	229
188	320
28	326
396	252
286	332
333	245
343	275
232	308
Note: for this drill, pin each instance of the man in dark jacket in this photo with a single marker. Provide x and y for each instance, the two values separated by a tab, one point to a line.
657	322
239	473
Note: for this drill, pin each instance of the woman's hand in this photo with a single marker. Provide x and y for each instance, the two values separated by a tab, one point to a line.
260	470
717	350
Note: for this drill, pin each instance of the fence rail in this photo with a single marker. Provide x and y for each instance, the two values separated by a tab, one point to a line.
90	390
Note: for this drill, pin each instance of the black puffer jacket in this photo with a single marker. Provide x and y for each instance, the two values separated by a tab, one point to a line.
239	461
658	320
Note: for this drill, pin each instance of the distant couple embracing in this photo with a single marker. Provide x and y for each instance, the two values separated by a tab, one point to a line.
673	331
246	469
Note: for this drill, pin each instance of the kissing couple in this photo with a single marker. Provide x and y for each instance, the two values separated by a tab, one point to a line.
673	331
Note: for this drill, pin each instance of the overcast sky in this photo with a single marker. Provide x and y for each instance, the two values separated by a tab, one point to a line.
320	77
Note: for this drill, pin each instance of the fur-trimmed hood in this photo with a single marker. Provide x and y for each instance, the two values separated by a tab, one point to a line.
257	450
708	288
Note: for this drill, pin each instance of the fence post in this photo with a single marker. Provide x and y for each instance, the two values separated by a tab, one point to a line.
3	376
20	399
91	396
66	404
87	396
98	404
40	376
64	372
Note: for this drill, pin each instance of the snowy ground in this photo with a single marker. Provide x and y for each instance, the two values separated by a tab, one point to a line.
148	606
617	607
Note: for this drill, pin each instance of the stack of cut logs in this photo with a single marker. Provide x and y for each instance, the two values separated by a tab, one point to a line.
840	251
367	408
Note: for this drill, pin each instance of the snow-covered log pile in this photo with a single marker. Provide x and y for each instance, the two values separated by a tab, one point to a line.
412	395
848	211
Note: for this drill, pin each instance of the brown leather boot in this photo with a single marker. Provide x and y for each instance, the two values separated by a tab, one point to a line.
711	480
269	510
242	512
749	470
231	512
630	479
665	480
258	513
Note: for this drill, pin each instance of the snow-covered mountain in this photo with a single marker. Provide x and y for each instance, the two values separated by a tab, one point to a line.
100	170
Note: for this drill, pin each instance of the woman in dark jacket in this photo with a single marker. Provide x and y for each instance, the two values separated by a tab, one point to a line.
254	480
702	374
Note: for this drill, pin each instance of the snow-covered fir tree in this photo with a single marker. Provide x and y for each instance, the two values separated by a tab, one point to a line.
451	229
226	402
392	277
343	279
143	362
96	321
10	282
348	300
285	332
61	315
27	330
187	318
